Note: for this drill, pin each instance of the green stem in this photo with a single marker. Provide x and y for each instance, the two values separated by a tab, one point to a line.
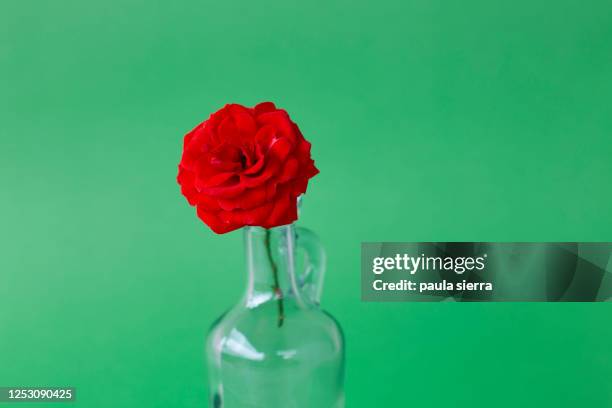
277	290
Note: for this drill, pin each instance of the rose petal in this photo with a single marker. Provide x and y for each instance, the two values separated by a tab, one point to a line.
264	137
223	191
299	185
253	216
269	170
264	107
271	190
256	216
285	209
279	120
251	198
185	179
258	166
280	148
290	170
208	203
216	180
243	119
309	170
214	221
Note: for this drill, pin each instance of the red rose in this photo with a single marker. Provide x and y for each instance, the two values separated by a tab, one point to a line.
245	166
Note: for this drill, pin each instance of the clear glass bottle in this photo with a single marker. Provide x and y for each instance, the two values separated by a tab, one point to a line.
276	348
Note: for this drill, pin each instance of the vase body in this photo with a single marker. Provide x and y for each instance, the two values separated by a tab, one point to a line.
276	347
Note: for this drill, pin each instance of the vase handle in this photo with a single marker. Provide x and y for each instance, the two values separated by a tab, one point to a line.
311	279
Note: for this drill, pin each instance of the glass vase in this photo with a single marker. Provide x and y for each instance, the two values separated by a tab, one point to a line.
276	348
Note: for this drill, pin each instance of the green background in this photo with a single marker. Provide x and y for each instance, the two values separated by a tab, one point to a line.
430	120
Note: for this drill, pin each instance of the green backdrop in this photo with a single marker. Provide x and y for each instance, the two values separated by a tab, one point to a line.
430	120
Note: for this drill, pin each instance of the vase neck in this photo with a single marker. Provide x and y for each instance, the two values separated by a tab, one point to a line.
270	261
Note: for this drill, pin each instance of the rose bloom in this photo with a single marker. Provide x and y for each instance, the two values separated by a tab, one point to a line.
245	166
